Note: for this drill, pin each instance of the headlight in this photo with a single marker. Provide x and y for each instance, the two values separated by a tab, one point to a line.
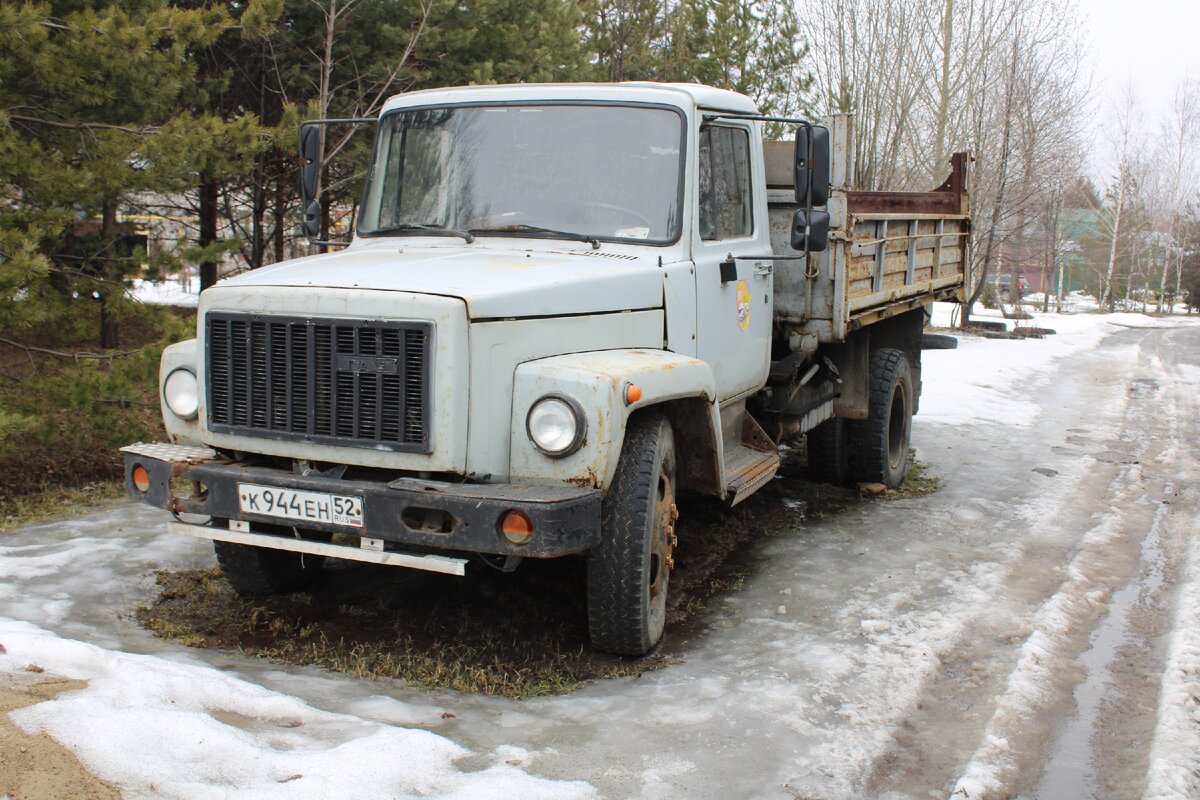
556	425
181	393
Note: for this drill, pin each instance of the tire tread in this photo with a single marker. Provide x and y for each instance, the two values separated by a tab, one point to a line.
869	437
828	459
261	571
616	571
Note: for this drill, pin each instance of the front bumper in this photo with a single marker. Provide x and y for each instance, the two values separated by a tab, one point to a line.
565	519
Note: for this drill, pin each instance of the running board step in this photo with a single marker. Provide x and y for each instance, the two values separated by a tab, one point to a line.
746	471
430	563
749	464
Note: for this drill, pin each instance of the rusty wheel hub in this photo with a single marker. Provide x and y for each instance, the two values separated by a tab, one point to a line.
664	540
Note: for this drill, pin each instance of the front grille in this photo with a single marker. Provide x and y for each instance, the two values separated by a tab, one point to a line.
358	383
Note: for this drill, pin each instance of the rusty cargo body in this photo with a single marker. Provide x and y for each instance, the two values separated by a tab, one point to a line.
891	255
889	252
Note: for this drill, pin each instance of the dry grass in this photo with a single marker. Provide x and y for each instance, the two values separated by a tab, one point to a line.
53	502
476	635
521	634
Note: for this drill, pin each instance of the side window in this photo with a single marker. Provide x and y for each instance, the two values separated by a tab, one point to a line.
726	199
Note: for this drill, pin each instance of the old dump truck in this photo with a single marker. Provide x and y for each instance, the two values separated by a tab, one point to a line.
562	306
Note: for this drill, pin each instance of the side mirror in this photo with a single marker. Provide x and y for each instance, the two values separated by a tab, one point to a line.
812	165
310	169
311	224
810	230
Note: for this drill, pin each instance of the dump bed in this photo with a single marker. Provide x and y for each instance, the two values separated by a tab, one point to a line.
889	252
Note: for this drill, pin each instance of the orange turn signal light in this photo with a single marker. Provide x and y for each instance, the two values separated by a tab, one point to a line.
516	527
141	478
633	393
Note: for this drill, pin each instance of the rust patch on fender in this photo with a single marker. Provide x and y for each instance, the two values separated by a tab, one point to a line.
589	481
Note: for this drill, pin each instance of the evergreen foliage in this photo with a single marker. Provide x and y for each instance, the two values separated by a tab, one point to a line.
110	110
90	98
747	46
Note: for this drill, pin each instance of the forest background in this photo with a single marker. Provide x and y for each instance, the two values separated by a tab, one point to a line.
115	116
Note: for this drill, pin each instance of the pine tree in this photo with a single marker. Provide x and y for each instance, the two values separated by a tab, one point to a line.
90	99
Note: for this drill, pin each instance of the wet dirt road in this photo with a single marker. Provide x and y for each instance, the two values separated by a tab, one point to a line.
1030	630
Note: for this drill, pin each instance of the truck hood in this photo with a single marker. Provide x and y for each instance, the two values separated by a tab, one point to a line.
494	282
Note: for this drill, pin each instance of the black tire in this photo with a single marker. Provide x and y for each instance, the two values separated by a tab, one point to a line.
259	570
828	447
879	444
938	341
629	571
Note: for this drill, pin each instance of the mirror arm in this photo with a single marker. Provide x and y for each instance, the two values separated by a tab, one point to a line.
347	120
758	118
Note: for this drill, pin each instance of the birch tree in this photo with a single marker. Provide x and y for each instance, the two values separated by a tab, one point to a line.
1178	142
998	77
1125	140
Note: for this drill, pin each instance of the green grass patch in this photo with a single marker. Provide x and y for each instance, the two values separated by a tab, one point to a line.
917	480
63	418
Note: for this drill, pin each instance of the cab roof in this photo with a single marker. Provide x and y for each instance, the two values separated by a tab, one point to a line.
680	94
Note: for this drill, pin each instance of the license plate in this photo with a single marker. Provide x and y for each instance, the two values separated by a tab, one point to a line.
290	504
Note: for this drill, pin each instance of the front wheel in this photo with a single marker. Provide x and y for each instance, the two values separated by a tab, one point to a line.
260	570
879	444
628	572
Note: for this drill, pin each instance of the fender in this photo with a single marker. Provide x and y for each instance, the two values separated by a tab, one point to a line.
683	386
180	354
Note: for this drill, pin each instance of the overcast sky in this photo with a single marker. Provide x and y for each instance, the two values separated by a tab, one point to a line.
1152	43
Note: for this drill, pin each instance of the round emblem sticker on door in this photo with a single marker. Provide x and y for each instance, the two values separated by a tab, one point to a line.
743	305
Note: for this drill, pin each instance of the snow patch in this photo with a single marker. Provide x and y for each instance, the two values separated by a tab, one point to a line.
160	728
988	380
1174	772
171	292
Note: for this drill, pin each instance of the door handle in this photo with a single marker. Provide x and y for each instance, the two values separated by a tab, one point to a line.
763	270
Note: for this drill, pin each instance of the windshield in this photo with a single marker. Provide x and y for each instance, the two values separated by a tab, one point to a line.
560	171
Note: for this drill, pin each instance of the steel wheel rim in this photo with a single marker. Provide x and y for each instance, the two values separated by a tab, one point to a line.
662	544
897	421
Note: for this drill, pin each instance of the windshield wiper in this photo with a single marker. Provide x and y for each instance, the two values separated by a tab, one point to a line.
400	230
521	228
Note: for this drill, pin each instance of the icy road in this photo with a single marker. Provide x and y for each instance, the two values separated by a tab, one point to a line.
1031	630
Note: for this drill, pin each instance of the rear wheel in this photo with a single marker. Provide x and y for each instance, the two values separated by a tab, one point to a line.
260	570
879	444
629	571
828	447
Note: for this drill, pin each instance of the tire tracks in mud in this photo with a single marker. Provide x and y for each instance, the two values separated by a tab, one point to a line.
923	689
1097	649
1037	529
